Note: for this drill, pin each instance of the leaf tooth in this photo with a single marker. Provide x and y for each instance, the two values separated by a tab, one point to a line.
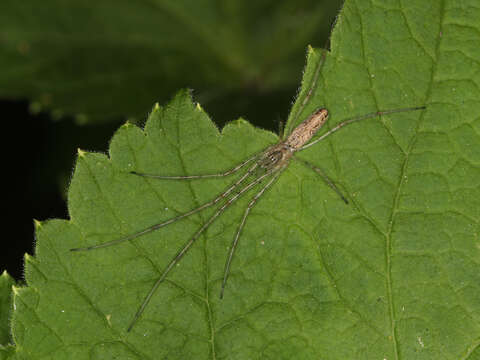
198	107
81	153
28	258
37	223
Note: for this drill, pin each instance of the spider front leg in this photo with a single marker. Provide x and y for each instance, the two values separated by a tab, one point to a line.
184	215
189	177
359	118
338	127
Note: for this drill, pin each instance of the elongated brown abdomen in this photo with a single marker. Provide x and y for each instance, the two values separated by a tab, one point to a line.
305	131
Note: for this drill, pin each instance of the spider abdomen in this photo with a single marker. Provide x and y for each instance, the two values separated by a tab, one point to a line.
305	131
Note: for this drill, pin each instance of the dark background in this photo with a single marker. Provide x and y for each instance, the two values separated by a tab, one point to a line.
38	158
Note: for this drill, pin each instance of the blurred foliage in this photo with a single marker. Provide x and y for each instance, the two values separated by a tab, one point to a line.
107	60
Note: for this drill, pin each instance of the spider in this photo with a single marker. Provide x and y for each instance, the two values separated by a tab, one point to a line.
264	168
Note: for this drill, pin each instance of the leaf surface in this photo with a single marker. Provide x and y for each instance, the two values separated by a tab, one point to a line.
6	283
6	297
393	275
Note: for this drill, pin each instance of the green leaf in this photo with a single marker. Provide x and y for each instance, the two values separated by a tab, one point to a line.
393	275
6	283
6	349
7	352
110	59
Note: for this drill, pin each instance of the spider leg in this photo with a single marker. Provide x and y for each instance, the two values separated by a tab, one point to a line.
187	177
358	118
325	178
312	87
251	204
188	245
175	219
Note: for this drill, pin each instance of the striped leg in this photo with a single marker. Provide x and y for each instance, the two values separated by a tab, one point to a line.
188	245
312	87
175	219
358	118
251	204
325	178
188	177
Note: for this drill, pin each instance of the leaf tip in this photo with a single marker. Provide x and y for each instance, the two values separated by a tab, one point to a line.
81	153
156	107
37	224
28	258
